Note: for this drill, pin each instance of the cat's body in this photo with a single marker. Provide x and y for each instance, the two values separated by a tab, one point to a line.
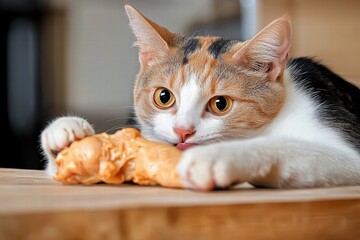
256	116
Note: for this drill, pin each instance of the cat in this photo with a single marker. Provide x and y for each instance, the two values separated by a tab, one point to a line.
241	111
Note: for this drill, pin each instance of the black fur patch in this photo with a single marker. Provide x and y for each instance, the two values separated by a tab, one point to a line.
339	100
190	46
219	46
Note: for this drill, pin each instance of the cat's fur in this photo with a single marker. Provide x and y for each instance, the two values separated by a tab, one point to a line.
293	123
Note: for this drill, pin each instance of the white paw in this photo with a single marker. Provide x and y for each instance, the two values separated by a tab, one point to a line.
207	167
62	132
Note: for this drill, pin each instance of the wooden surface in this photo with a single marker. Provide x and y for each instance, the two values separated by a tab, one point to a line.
34	207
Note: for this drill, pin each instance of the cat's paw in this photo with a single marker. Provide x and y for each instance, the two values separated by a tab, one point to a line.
62	132
207	167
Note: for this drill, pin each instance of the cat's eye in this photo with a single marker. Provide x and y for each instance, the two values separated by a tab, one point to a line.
163	98
220	105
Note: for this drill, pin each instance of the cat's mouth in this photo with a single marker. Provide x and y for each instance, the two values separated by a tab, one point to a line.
184	146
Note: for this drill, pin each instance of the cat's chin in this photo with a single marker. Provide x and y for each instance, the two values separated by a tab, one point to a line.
184	146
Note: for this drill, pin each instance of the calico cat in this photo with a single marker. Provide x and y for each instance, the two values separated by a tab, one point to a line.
243	111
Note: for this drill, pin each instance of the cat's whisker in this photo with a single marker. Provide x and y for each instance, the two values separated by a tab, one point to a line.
129	108
118	127
120	118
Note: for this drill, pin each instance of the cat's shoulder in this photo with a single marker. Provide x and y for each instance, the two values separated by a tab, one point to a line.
319	80
335	101
313	73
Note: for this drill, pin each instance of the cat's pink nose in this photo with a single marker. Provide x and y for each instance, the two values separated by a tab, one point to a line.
184	133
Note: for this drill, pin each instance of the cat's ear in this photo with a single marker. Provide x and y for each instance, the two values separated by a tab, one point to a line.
267	51
153	40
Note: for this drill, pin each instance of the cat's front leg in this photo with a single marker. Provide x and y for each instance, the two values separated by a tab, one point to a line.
60	134
271	162
216	165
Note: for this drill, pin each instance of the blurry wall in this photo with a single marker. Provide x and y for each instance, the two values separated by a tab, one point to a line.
20	24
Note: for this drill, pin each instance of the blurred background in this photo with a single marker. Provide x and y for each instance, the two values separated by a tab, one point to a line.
63	57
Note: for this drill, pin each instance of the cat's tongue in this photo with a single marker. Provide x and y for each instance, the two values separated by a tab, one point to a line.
184	146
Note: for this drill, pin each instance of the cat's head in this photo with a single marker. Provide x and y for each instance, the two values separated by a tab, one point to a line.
198	90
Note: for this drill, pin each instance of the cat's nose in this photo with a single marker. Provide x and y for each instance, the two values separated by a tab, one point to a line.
184	133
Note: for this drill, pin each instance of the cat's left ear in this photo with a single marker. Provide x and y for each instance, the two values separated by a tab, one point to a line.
153	40
267	51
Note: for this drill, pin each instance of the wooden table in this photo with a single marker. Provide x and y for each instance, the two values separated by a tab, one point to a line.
34	207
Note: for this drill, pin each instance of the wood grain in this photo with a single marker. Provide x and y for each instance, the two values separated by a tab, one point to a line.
33	206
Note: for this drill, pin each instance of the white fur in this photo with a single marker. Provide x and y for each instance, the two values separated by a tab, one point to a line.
298	120
295	150
190	106
59	134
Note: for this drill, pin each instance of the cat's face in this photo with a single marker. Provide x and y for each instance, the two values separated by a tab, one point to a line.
198	90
